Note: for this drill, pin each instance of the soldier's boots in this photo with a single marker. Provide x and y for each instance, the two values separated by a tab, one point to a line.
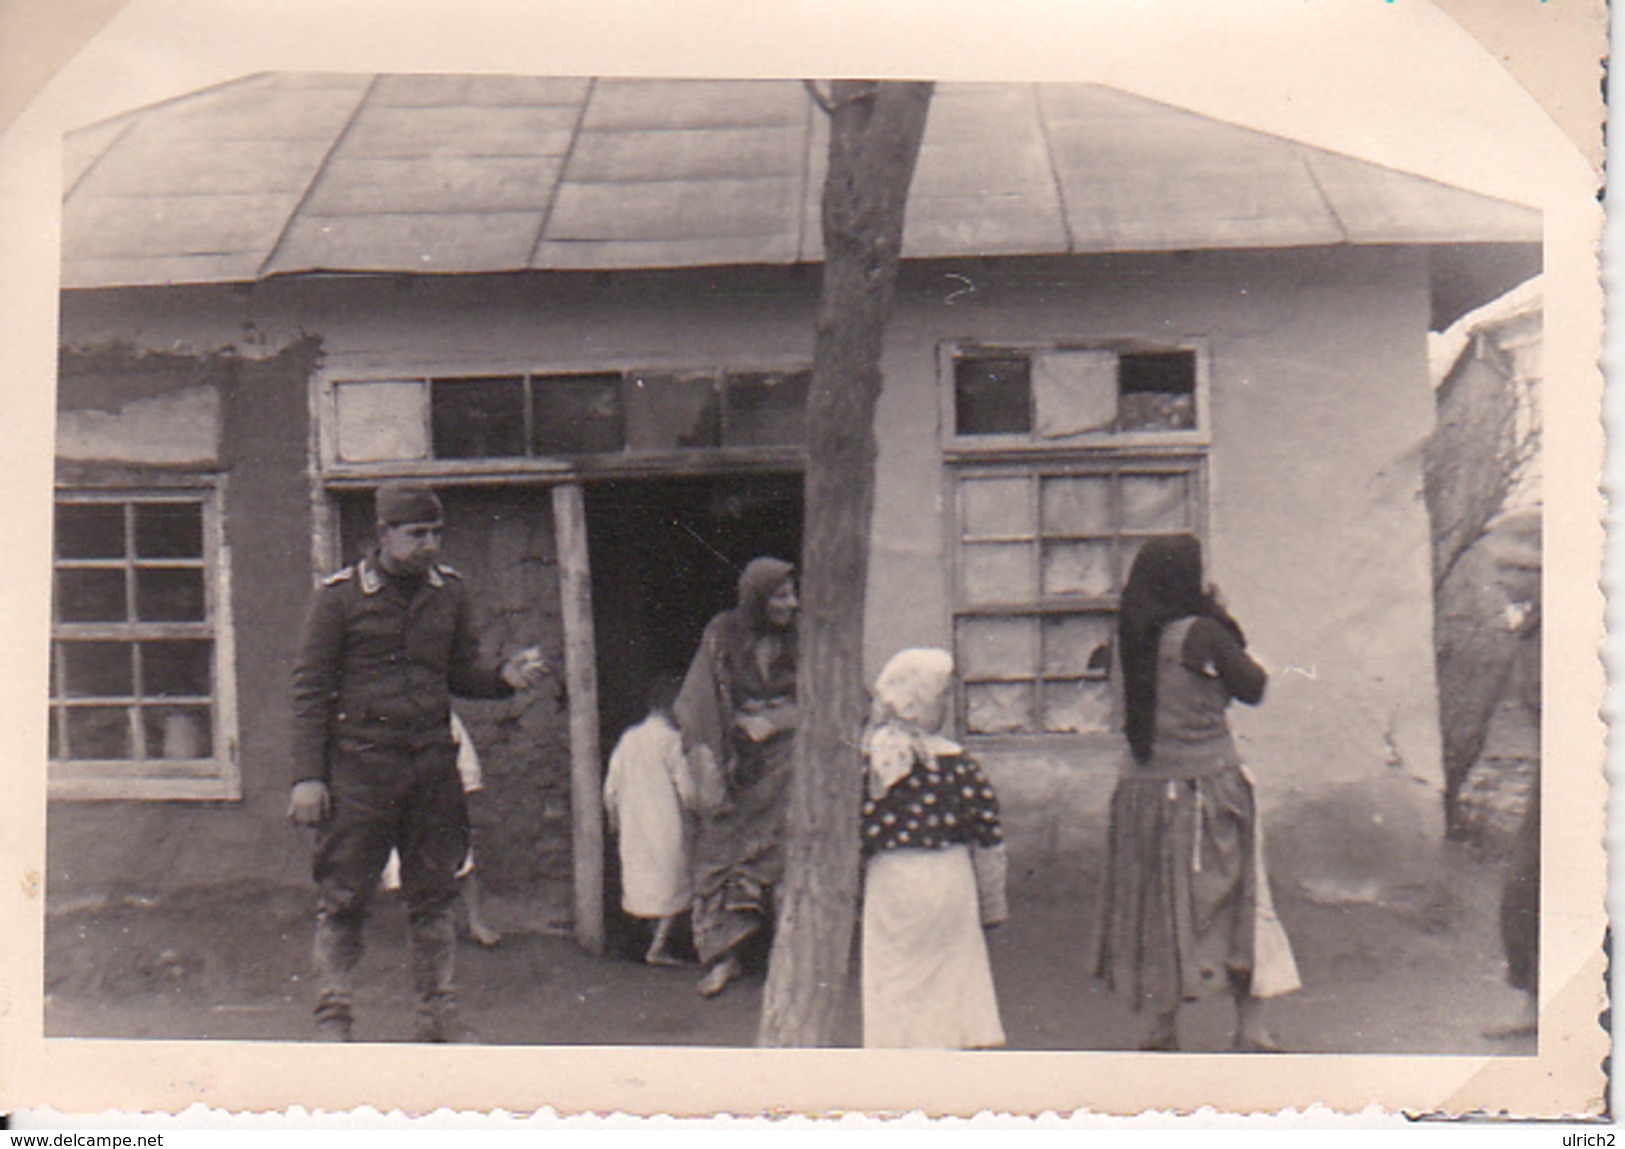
433	946
337	950
333	1029
444	1026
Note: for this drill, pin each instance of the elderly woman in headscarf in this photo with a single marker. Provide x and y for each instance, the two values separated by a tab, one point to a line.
1185	890
737	713
930	836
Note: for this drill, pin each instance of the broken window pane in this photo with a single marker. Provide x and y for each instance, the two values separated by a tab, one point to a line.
90	530
169	530
1078	568
577	415
1077	505
993	395
1073	707
1074	392
670	412
1156	502
997	647
478	418
996	508
381	420
997	572
1157	391
99	732
90	595
998	707
1077	646
766	409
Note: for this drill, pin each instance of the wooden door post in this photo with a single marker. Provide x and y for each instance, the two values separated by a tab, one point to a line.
581	683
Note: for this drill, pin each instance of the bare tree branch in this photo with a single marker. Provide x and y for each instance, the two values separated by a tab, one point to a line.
818	96
860	91
1486	440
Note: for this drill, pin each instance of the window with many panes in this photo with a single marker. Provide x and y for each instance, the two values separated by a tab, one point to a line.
1065	462
138	688
552	416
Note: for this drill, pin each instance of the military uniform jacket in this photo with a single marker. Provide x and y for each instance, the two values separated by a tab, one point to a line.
377	670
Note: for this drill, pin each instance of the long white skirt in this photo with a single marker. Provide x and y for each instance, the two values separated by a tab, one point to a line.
926	979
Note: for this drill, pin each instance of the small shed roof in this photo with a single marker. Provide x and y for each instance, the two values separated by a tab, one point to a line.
287	173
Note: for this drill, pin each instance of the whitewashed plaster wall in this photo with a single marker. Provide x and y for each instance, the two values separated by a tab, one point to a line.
1317	532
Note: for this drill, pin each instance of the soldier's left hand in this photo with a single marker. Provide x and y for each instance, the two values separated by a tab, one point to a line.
524	669
309	804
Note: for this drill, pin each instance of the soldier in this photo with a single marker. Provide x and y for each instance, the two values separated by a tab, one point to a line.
387	643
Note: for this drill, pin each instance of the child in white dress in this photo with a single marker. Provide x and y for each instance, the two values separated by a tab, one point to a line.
649	795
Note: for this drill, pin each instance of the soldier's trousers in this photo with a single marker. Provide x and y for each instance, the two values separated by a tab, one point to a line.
410	800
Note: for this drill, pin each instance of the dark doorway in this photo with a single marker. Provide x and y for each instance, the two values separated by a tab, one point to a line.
666	556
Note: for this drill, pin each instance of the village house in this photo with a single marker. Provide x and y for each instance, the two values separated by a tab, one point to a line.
584	309
1483	483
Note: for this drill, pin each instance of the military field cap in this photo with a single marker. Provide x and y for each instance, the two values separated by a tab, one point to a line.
400	503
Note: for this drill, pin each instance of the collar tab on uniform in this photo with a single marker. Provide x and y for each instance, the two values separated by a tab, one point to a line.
371	581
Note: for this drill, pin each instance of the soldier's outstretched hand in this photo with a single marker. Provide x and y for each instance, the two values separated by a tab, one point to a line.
309	805
524	669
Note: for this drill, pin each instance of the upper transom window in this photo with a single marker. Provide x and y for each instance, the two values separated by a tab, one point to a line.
1050	394
562	415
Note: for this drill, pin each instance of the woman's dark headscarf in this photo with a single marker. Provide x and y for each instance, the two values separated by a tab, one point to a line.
1164	584
718	678
757	582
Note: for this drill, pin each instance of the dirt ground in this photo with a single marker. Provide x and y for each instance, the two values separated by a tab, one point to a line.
1409	970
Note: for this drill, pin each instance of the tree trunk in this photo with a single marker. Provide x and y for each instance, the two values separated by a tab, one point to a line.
875	133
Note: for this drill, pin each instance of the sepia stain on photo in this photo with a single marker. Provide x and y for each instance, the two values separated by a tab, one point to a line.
576	321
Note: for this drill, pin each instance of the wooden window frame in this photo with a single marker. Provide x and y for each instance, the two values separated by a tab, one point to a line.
1033	460
209	779
627	462
955	445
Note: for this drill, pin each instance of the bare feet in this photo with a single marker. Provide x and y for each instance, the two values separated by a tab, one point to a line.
469	889
658	953
1252	1035
716	978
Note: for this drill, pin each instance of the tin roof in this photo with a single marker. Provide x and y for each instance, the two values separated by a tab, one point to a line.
287	173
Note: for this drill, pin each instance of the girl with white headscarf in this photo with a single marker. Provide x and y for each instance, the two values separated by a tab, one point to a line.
927	808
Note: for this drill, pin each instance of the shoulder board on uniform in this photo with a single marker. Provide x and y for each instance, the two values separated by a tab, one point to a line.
448	570
339	576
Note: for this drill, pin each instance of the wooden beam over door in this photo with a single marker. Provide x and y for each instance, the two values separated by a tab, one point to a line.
581	681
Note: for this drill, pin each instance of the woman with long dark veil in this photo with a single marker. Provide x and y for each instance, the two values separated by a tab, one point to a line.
1185	889
737	712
